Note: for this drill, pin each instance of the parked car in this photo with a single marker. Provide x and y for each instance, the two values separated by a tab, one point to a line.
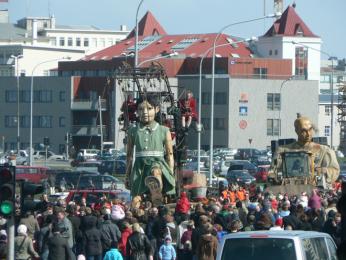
41	155
115	168
88	153
273	245
89	166
241	177
240	165
35	174
94	196
87	180
250	154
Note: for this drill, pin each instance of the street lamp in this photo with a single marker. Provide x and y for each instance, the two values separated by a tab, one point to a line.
331	88
199	126
213	85
16	64
282	85
158	57
136	34
32	99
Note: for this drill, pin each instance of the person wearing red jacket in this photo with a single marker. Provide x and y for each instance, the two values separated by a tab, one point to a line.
125	233
182	208
188	109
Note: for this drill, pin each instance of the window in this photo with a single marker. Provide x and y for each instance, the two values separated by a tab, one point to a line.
110	41
327	130
10	121
327	109
315	248
270	52
206	123
11	96
25	96
260	73
205	98
102	42
78	42
42	121
62	121
273	101
273	127
86	42
61	148
62	41
276	52
62	96
94	42
25	121
220	123
69	41
220	98
53	41
45	96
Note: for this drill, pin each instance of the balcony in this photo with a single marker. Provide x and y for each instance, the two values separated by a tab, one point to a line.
88	105
88	130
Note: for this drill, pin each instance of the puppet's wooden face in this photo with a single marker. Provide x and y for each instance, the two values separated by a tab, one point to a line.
147	112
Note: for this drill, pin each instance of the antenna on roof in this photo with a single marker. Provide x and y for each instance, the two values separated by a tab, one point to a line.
48	8
294	4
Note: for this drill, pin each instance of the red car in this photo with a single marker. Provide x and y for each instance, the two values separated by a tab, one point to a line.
262	174
35	174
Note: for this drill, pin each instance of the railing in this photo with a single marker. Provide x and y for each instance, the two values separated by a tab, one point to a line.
88	104
88	130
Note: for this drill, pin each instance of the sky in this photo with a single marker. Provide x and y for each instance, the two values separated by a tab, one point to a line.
324	18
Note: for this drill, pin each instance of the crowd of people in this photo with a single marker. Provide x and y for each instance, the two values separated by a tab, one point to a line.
184	230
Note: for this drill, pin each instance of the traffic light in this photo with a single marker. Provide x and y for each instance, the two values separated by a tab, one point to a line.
46	141
7	190
27	196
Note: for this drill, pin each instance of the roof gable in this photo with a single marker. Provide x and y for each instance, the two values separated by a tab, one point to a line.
290	24
147	26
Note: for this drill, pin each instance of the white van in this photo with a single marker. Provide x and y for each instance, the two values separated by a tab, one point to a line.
277	245
89	153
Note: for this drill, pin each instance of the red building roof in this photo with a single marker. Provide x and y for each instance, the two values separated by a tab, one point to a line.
186	45
147	26
290	24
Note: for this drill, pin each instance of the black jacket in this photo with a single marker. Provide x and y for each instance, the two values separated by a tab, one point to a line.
92	242
138	247
109	232
59	248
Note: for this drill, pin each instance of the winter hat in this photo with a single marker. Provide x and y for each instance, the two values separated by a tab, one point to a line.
168	237
22	229
279	222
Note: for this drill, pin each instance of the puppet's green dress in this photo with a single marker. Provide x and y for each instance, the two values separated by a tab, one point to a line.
149	144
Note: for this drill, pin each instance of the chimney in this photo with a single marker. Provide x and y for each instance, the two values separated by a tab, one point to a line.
52	22
278	6
123	28
34	30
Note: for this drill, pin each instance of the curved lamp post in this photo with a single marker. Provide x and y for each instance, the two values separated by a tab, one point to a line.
136	34
213	86
199	126
158	57
32	100
331	88
16	64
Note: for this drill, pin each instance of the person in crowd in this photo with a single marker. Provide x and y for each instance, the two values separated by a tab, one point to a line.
167	251
3	244
182	208
126	231
65	226
109	233
43	236
31	224
58	246
92	243
113	253
23	245
138	246
207	245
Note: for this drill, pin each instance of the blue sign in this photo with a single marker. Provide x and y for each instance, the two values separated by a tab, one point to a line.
243	111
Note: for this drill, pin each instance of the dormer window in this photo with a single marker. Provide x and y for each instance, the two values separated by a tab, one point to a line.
299	30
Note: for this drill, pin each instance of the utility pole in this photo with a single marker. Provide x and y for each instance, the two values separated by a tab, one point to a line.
101	126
